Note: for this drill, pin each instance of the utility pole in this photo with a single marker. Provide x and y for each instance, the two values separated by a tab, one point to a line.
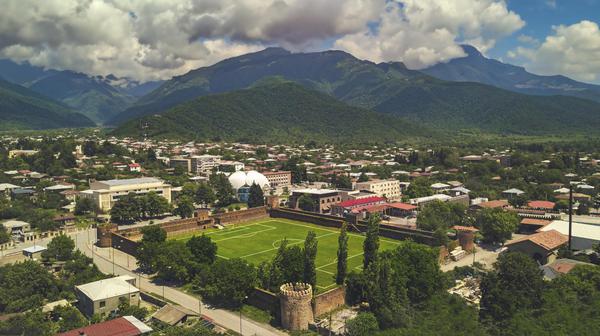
570	216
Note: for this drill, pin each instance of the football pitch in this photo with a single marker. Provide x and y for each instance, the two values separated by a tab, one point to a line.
258	241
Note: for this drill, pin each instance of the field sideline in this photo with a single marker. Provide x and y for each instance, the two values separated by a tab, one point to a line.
257	241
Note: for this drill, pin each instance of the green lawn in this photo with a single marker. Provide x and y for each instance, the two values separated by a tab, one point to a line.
258	241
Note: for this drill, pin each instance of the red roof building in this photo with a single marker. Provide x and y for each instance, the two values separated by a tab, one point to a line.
122	326
544	205
361	202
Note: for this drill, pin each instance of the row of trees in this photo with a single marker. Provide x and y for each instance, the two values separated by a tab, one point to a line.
290	264
223	282
132	207
495	225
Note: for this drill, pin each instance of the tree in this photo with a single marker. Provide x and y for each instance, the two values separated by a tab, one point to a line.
371	242
310	256
4	235
60	248
306	203
497	225
126	309
174	262
227	283
342	255
126	209
363	177
256	197
518	201
516	284
68	318
439	215
386	293
185	207
225	194
342	181
205	194
362	324
26	285
84	206
153	233
419	266
203	249
420	187
153	205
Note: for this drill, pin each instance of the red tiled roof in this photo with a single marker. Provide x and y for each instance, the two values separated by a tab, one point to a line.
361	201
134	165
541	204
493	204
403	206
535	221
548	240
465	228
116	327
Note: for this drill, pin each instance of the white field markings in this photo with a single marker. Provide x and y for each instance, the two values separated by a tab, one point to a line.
294	243
249	234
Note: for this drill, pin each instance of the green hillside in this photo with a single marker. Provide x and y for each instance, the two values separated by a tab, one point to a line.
21	108
386	87
273	111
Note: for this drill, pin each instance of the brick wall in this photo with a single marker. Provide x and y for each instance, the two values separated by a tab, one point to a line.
328	301
240	216
393	232
124	244
265	300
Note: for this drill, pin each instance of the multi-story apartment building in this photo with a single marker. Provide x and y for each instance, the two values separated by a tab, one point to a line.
389	189
205	164
106	193
279	179
322	198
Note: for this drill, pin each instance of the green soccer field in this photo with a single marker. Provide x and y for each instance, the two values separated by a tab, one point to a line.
258	241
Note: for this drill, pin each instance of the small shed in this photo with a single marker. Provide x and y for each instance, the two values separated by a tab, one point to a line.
34	252
174	315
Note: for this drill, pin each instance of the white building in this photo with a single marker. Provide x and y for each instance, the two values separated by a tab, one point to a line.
586	231
382	188
106	193
204	164
103	296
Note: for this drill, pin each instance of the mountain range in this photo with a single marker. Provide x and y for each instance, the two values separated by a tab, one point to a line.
21	108
388	88
273	110
99	98
477	68
468	93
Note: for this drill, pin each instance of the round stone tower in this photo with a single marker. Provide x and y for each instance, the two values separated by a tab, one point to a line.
296	307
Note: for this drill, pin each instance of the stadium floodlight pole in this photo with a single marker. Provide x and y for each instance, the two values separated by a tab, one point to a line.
570	216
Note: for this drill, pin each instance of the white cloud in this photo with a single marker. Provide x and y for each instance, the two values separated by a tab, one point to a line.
528	39
424	32
572	50
161	38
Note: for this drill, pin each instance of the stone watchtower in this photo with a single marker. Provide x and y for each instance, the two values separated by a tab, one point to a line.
296	306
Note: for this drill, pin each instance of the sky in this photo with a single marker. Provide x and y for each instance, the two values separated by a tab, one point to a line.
148	40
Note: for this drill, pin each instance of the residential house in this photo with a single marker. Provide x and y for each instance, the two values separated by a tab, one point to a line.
103	296
542	246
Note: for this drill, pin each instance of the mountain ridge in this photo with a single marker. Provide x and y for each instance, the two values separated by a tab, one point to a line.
22	108
475	67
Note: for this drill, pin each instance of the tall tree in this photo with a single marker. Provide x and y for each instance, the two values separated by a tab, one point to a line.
306	203
371	242
60	248
310	256
515	285
256	197
203	249
342	255
153	233
185	207
497	225
224	191
205	194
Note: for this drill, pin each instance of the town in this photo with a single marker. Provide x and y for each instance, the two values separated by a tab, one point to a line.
149	237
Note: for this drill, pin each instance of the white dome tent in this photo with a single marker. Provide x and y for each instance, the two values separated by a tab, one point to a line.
245	179
241	182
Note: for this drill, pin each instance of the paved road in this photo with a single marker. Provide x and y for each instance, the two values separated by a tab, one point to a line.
103	258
